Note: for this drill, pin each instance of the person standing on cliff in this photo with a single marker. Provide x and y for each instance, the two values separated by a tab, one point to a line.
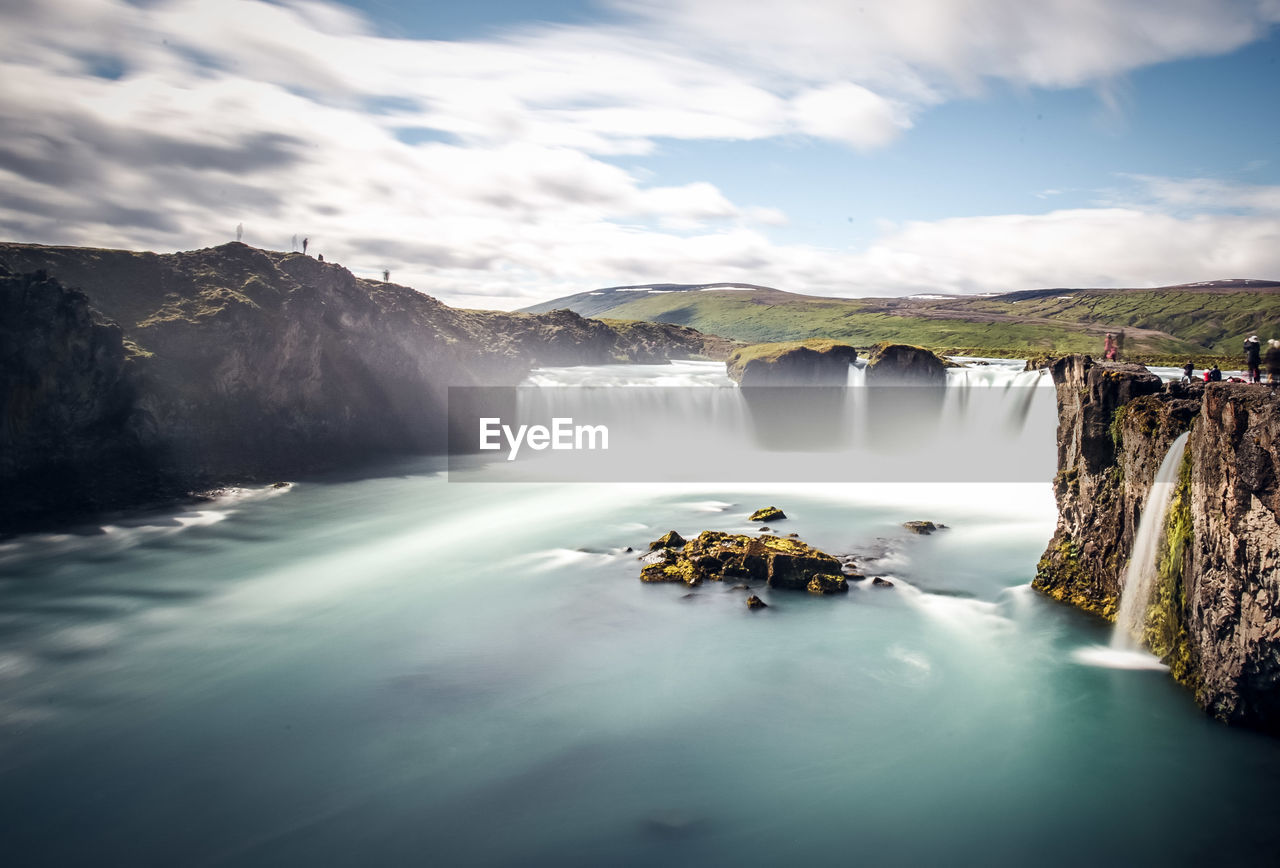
1187	370
239	231
1253	358
1120	345
1109	348
305	241
1273	362
386	275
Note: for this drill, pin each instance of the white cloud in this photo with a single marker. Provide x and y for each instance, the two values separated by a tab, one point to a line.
1207	194
957	43
286	115
849	113
1070	248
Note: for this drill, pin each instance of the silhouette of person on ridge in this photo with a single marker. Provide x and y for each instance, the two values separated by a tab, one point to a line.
1253	358
305	241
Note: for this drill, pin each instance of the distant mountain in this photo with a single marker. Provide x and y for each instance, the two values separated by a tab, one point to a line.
1208	317
599	301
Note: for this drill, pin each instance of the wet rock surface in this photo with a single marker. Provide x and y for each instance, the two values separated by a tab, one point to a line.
780	563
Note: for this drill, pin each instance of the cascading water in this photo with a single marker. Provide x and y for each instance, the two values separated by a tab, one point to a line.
992	422
1140	576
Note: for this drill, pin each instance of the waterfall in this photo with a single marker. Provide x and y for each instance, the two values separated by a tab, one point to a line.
1139	577
687	420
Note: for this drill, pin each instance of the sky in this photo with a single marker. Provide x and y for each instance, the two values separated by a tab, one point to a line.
496	154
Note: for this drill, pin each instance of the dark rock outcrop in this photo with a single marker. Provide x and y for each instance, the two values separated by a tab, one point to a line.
1227	597
715	556
1214	616
902	364
768	513
237	364
795	363
924	528
754	603
669	540
69	426
1103	477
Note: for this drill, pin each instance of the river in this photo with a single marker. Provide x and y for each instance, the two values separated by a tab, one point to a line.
389	668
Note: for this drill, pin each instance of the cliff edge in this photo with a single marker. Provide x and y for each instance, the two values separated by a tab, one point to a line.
130	378
1214	616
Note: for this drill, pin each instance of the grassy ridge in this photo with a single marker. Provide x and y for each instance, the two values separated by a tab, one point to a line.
1166	326
1217	322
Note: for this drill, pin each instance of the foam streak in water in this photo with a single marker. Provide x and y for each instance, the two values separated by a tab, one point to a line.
1140	576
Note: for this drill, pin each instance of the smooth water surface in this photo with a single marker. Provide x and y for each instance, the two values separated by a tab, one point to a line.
399	670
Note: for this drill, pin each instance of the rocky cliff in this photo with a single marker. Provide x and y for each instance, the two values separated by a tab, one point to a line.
1214	616
891	364
127	377
793	363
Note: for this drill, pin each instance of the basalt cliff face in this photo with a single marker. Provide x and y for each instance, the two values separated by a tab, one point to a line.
133	377
1214	616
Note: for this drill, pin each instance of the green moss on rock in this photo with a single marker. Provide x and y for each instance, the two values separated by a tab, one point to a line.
670	539
768	513
1165	629
1060	575
777	561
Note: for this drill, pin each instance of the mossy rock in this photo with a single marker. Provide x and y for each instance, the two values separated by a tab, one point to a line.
827	583
715	556
792	363
769	513
669	540
903	364
754	603
924	528
1062	576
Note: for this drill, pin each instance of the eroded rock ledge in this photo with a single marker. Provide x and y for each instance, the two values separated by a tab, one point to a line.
1215	614
715	556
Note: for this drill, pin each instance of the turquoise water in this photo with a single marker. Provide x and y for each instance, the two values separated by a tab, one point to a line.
400	670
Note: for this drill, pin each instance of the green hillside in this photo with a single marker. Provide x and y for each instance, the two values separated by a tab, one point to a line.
1199	321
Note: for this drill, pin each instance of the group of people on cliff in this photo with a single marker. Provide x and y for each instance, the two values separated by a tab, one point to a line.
1254	359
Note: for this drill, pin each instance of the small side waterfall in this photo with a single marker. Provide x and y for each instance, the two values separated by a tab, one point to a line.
1139	577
